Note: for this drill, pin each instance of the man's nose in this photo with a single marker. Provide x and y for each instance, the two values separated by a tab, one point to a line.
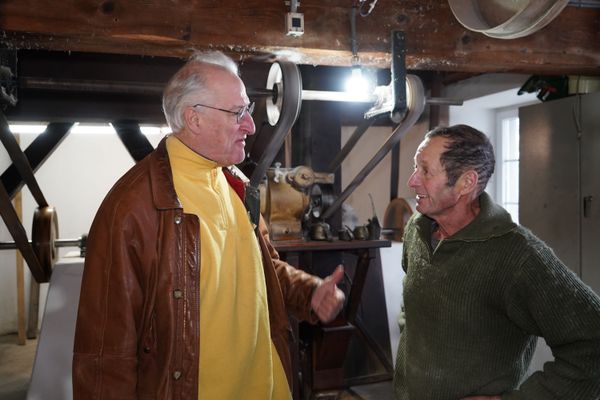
248	124
413	180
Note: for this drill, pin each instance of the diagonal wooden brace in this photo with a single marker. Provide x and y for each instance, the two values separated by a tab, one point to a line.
19	235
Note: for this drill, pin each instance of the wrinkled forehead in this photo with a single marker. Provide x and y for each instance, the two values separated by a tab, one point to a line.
423	146
223	84
431	149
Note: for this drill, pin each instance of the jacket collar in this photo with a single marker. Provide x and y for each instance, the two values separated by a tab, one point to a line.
161	179
492	221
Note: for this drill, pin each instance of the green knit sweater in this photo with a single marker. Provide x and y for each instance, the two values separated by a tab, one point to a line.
474	306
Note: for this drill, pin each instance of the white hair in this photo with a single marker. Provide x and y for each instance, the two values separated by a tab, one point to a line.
184	86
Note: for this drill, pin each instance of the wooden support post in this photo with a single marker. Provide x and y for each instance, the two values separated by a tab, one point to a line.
34	309
21	338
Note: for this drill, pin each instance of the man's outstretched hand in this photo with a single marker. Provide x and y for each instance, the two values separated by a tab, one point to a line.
327	299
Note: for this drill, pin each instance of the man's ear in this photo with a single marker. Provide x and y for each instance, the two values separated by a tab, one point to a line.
468	181
191	119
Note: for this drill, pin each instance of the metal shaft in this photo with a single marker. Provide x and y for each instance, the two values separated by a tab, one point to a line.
145	88
57	243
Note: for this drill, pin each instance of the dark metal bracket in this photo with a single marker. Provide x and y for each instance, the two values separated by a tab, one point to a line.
37	153
398	74
133	139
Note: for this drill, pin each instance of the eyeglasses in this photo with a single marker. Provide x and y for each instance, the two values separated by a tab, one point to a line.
238	114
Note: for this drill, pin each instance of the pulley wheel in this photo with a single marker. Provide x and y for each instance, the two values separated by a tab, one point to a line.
286	85
283	108
44	232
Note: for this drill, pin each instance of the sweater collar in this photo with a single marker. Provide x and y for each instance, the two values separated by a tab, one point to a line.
161	179
492	221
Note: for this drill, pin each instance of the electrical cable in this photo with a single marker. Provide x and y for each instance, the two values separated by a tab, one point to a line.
353	42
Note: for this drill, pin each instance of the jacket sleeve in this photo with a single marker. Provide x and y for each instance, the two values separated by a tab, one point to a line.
296	285
549	301
105	348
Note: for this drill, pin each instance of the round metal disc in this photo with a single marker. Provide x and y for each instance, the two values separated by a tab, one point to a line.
286	84
43	234
274	103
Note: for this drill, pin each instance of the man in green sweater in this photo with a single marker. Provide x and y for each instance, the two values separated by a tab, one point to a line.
479	290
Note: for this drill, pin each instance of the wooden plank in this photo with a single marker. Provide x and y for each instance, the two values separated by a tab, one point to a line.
255	28
21	323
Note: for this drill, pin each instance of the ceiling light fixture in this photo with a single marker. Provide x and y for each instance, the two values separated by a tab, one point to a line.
357	85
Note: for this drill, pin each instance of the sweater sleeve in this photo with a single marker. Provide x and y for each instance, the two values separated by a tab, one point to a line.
546	299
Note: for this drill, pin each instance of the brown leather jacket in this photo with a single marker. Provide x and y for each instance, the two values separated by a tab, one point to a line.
137	334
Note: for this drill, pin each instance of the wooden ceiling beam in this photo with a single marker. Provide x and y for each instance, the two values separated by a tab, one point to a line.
255	28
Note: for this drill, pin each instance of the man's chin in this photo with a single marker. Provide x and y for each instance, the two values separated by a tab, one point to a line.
421	208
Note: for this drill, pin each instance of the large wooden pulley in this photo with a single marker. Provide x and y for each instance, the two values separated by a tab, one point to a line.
41	252
44	233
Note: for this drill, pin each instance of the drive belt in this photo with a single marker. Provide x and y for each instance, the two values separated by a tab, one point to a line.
290	108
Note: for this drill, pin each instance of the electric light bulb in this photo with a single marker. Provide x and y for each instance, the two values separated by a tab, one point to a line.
357	87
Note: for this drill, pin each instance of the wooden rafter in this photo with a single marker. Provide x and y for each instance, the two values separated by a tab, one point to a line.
435	40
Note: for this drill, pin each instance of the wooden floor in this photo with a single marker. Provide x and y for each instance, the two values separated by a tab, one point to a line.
375	391
16	362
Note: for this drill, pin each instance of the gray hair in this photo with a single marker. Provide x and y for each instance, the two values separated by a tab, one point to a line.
468	148
187	84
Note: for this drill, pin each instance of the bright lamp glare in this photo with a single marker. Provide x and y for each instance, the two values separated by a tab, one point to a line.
96	129
357	86
27	128
155	130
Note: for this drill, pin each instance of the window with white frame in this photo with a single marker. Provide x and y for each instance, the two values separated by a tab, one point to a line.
507	160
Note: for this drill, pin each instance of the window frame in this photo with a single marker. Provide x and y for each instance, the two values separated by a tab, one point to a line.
501	115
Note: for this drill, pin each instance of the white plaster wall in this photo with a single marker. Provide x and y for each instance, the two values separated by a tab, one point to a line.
483	97
377	183
74	179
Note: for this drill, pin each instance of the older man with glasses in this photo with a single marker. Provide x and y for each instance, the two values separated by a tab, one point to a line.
181	296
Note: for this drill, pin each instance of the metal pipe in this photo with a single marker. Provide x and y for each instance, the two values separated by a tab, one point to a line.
144	88
322	95
294	6
335	96
260	92
442	101
81	85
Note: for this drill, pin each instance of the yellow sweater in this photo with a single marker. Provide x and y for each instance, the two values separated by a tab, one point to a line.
237	357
